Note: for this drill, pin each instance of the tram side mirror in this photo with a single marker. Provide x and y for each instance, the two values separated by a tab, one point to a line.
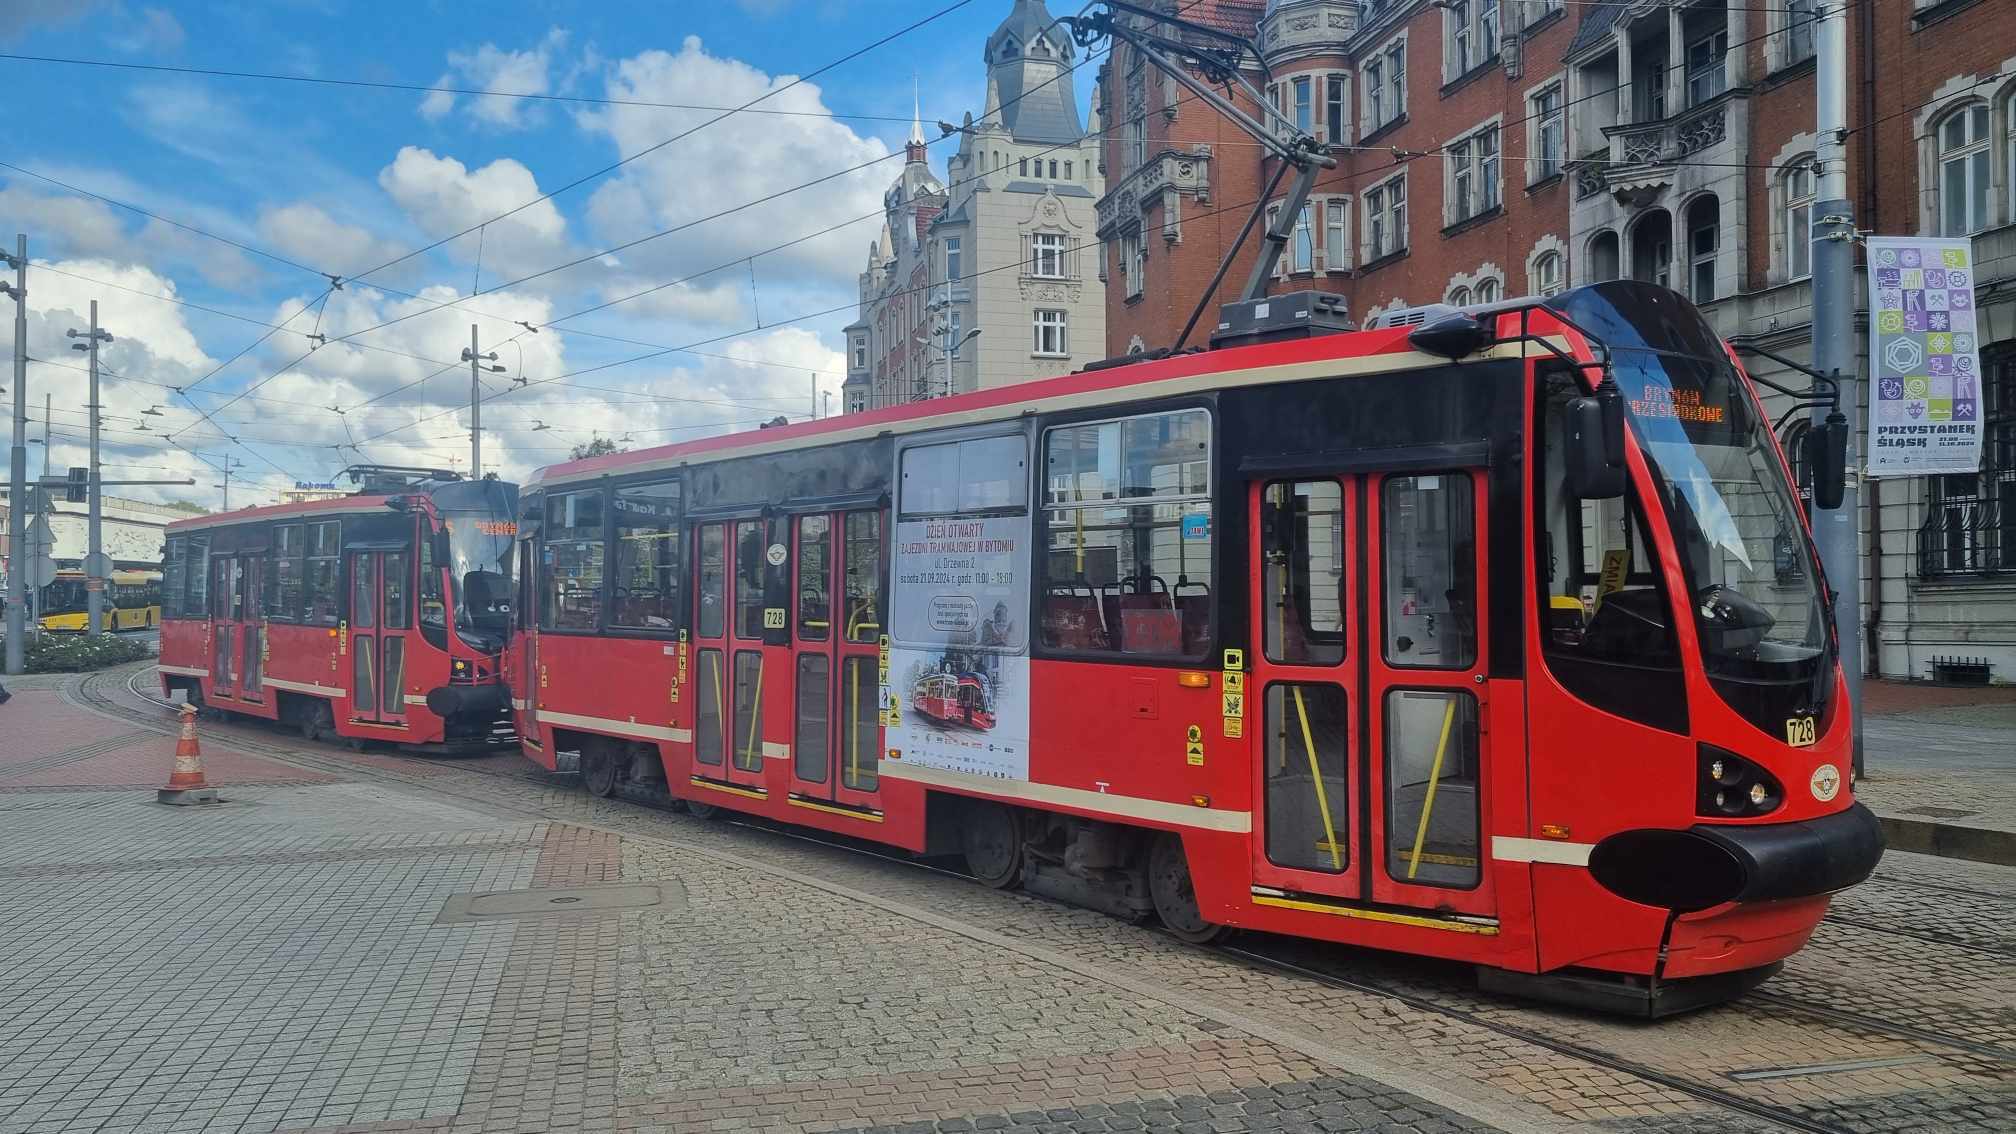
1827	460
1595	449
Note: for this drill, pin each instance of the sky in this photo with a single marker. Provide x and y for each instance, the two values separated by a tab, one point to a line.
214	359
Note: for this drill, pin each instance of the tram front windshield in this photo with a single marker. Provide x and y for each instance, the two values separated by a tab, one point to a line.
482	523
1737	523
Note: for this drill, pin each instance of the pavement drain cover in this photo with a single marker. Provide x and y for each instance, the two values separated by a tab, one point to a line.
1939	812
573	901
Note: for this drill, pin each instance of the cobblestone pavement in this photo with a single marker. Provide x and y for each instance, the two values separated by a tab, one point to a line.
282	963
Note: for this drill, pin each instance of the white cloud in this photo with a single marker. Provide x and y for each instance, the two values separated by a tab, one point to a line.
304	232
492	68
153	31
730	163
442	196
79	227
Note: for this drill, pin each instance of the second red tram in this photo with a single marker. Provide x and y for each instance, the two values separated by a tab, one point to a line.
377	616
1371	637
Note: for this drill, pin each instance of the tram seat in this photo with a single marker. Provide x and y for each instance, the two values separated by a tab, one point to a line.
1194	611
1148	624
1074	622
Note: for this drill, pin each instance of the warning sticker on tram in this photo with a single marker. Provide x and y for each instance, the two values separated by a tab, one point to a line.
1800	732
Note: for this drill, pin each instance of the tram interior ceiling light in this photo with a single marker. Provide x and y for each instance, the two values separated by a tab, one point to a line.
1732	787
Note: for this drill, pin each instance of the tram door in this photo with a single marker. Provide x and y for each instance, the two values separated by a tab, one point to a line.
1368	687
227	612
525	686
252	629
837	567
729	682
381	599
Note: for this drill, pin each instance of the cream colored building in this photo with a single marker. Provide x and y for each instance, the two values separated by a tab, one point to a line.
1005	245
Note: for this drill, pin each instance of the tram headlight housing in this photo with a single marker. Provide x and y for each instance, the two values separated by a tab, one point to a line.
1732	787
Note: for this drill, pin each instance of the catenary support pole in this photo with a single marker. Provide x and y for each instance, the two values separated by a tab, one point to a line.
17	468
94	572
1836	531
475	408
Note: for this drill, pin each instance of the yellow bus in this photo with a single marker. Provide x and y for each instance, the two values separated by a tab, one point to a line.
132	601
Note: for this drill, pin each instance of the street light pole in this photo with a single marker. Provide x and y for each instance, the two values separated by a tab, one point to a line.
17	464
1836	532
94	559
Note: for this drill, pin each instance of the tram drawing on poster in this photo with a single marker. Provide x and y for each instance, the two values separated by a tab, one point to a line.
956	694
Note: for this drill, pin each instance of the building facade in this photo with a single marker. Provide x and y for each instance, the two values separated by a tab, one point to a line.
1491	148
1004	246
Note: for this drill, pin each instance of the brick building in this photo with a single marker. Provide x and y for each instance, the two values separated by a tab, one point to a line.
1490	148
1003	248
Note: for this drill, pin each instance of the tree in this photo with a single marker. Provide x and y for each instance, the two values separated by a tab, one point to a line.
190	507
598	446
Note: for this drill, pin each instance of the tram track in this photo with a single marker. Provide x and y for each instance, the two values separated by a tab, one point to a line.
1252	951
1932	937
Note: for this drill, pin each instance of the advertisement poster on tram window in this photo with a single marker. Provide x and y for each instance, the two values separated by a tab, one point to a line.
1925	365
956	694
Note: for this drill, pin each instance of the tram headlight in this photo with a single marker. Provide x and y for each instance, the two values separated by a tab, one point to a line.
1733	787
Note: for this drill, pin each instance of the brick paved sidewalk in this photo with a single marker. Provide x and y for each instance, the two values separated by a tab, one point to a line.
308	956
47	743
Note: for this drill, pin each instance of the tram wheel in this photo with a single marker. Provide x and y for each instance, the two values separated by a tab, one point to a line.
318	721
599	771
1175	897
992	840
699	810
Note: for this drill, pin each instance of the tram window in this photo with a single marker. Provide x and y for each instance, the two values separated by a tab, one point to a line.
171	577
321	586
1127	508
283	597
809	756
649	568
864	576
750	546
1431	787
713	581
398	594
433	604
1304	566
1429	534
815	578
1604	592
1308	776
711	707
363	593
571	594
964	478
860	738
196	575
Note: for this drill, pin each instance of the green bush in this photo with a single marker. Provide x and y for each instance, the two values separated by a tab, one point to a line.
73	653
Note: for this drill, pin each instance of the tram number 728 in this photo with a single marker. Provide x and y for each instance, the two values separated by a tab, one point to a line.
1800	732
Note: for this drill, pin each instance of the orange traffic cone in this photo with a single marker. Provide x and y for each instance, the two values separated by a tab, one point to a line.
186	784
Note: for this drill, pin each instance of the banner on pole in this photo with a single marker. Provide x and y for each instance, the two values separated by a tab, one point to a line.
1924	361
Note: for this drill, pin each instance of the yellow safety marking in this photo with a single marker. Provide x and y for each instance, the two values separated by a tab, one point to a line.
720	699
1235	682
747	793
1448	859
1316	774
749	760
1486	929
1434	778
813	805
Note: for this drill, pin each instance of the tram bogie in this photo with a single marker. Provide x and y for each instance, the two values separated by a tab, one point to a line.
1499	640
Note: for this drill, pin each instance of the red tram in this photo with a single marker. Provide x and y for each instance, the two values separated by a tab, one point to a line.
1398	638
377	616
